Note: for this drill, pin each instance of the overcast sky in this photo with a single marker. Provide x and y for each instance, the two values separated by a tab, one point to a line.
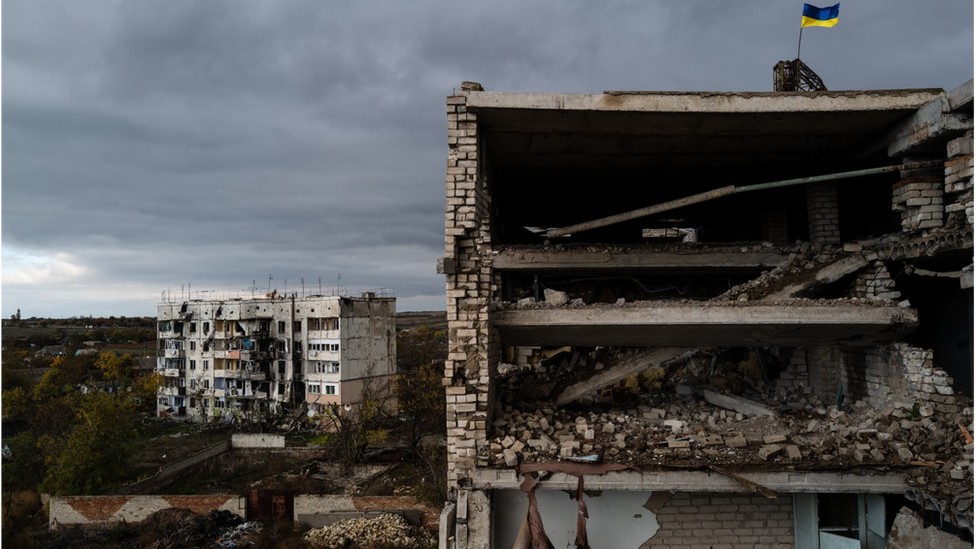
153	144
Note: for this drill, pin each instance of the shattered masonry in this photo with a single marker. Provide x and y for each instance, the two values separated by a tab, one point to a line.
735	369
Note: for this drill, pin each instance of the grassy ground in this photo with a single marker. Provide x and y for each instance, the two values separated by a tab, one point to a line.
160	442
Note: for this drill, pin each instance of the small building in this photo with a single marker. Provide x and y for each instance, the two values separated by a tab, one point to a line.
241	357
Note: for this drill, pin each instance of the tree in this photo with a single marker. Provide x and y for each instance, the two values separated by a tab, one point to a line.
115	367
145	389
419	347
94	452
419	389
74	443
420	399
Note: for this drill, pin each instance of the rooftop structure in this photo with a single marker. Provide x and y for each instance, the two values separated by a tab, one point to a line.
243	357
741	319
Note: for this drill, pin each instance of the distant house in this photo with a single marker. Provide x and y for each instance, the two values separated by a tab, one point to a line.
50	351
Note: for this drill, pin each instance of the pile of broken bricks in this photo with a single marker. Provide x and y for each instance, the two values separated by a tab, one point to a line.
700	427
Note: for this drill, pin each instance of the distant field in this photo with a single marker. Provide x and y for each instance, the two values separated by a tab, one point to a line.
413	319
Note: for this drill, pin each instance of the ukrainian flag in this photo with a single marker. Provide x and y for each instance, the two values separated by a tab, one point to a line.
819	17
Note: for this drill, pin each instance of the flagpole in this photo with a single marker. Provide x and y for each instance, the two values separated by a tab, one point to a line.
798	43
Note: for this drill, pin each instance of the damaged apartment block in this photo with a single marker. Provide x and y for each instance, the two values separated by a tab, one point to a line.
709	319
243	358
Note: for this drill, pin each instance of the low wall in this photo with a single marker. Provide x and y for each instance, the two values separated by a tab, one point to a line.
260	440
77	510
82	510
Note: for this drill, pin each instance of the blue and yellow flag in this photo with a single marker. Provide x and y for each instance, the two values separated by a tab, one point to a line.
819	17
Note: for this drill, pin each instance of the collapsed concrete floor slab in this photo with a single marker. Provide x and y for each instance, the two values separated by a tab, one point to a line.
693	365
686	324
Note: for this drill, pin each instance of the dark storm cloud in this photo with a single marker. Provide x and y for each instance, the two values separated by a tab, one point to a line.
149	145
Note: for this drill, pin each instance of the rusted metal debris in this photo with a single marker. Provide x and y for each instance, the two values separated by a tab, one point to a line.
745	482
795	75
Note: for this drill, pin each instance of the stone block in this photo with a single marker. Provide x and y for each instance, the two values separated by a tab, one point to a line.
769	451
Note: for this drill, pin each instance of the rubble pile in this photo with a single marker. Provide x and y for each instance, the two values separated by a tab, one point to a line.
386	530
813	436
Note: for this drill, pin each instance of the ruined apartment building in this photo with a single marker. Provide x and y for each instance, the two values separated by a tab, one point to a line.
669	329
242	357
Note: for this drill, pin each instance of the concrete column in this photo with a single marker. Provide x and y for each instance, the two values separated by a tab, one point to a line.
823	214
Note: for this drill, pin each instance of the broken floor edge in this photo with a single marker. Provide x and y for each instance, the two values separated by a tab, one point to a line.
785	482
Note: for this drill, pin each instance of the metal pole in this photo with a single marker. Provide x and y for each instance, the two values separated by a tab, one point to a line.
798	41
728	190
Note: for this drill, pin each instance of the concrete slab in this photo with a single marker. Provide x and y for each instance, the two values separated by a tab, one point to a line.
928	130
649	324
737	404
823	275
708	102
909	531
626	368
701	481
961	97
634	260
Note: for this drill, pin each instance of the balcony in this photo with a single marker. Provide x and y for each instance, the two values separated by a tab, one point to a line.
172	372
174	353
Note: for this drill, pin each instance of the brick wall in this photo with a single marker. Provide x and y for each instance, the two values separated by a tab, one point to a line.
875	282
823	213
959	178
918	196
65	510
774	224
896	373
468	369
721	521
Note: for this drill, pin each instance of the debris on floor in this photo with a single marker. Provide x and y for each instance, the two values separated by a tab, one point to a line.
387	530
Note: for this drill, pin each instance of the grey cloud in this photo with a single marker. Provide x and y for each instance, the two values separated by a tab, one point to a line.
218	142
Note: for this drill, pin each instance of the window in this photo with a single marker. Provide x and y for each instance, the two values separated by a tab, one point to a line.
193	327
182	382
193	345
331	389
193	364
281	326
205	403
193	384
206	329
206	384
219	403
193	403
297	327
856	521
179	401
281	388
281	367
326	367
314	388
328	345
